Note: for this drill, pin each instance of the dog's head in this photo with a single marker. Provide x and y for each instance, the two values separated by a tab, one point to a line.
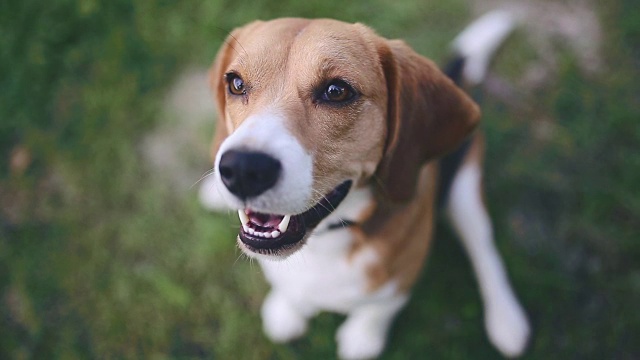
308	109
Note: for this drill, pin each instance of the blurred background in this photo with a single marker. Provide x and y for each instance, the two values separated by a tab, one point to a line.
105	122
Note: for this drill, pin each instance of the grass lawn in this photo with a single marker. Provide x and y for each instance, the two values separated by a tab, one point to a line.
102	255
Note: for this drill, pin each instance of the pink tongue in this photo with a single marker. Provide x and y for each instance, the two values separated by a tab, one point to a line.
265	220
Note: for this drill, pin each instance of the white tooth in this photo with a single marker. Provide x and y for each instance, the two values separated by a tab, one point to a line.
275	234
284	224
245	228
251	231
266	235
244	219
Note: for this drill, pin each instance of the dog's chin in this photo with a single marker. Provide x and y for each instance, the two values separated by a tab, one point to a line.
277	236
273	255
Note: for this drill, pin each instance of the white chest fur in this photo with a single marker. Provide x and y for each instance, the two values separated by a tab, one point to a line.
322	275
325	275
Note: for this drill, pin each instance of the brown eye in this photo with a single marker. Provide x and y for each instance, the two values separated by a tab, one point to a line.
338	91
236	84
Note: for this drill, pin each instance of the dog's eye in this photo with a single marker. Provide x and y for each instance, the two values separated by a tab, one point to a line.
236	84
338	91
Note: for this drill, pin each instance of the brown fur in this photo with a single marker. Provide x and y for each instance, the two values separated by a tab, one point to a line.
401	234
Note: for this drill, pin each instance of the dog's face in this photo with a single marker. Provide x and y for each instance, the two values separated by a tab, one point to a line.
310	108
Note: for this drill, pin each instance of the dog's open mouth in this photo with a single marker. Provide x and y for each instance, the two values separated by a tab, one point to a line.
272	234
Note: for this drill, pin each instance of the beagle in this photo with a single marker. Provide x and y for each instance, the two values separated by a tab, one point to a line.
329	144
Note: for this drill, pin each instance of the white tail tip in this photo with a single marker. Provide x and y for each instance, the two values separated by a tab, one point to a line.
480	40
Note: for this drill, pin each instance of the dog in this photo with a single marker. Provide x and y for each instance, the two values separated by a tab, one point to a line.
337	147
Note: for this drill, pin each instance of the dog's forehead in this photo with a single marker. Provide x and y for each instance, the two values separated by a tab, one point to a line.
324	42
336	41
340	35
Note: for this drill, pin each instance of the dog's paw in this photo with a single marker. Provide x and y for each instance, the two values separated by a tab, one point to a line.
357	340
508	328
280	321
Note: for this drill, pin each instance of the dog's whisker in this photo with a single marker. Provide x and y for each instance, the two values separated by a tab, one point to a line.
239	257
324	197
239	43
228	42
204	176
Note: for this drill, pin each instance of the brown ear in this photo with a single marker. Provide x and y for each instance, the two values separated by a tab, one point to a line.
428	116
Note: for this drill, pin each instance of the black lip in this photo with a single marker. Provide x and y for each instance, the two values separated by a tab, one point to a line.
299	226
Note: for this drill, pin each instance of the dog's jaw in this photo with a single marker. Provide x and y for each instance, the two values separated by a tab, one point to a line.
280	235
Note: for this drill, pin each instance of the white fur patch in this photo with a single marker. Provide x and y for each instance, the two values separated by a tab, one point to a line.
479	41
281	320
505	321
322	277
210	196
350	208
364	334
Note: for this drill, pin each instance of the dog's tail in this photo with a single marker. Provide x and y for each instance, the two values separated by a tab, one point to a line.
473	51
475	46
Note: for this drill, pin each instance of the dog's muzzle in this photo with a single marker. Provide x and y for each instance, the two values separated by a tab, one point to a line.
248	175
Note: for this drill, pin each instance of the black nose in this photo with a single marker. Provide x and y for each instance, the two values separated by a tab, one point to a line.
248	174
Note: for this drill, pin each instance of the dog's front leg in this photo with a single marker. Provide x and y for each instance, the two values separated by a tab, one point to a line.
363	335
282	320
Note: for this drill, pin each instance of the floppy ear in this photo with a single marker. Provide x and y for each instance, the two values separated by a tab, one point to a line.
428	116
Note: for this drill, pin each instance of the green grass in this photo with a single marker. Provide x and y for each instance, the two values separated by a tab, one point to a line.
102	258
